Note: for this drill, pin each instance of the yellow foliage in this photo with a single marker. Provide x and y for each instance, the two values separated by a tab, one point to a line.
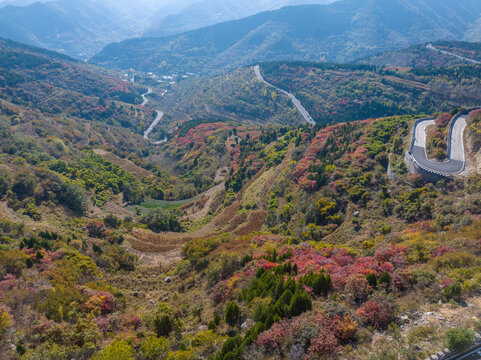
455	260
5	322
181	355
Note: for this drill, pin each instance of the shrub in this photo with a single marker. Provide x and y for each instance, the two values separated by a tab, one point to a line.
118	350
460	339
5	321
452	291
232	313
455	260
96	229
163	325
74	197
24	185
378	313
154	348
13	261
372	281
162	220
358	287
300	302
384	280
419	334
165	321
112	221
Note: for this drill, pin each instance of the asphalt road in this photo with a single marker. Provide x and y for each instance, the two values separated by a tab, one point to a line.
431	47
296	102
473	354
455	164
145	98
160	115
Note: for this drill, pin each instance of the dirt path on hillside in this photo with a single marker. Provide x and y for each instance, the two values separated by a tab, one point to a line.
125	164
230	219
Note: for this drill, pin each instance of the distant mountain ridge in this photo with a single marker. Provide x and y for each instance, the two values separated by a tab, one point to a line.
209	12
341	32
73	27
79	28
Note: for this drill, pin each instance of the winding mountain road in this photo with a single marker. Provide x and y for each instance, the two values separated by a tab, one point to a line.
455	162
160	115
296	102
145	98
431	47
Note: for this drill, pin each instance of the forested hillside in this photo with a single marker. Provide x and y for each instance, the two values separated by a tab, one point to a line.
330	92
343	31
203	13
234	232
439	53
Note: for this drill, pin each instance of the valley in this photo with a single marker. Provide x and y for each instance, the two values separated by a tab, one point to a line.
240	180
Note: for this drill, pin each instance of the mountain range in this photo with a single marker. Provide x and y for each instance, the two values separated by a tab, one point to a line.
209	12
82	28
340	32
75	27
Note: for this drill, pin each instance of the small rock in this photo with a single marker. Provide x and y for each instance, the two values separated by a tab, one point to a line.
429	313
246	324
152	302
404	319
168	280
356	214
202	328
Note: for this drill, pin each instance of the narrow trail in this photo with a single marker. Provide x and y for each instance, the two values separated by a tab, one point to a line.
431	47
296	102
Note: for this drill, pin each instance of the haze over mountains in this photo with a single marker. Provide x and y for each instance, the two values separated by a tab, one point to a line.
208	12
76	27
82	28
340	32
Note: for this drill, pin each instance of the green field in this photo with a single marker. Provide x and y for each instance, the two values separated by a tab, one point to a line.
163	204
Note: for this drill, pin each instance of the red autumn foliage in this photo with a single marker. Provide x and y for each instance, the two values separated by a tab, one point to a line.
96	229
9	282
377	312
358	287
443	120
327	334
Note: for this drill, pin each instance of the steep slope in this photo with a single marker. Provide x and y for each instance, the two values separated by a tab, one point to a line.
342	31
54	95
210	12
329	92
